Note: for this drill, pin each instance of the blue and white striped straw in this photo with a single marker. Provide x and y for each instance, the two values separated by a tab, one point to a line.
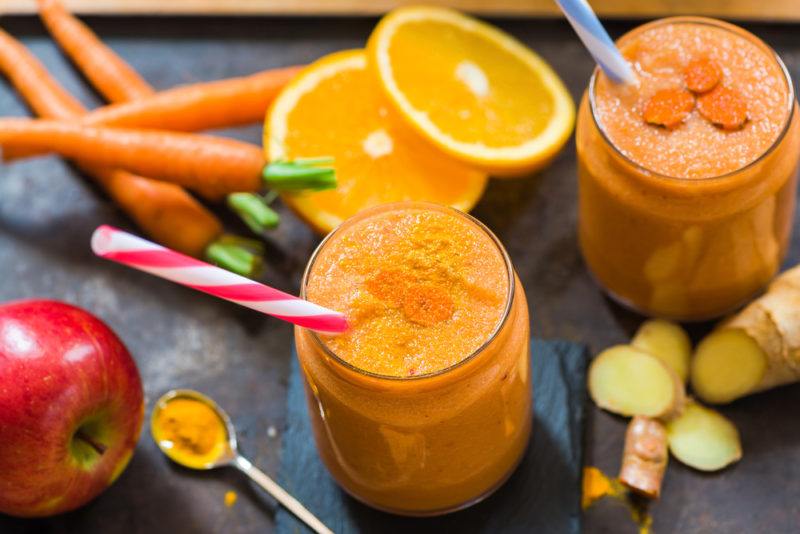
597	41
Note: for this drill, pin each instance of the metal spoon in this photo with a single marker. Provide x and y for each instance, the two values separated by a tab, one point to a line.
231	457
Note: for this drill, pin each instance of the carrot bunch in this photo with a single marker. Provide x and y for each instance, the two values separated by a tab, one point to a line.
120	144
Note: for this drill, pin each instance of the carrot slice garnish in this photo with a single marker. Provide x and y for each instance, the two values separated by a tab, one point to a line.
702	75
668	107
427	305
724	107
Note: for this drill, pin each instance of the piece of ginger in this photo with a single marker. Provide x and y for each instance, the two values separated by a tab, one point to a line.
644	459
703	438
666	341
728	364
629	381
756	349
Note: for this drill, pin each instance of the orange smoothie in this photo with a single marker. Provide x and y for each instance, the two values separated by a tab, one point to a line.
423	406
688	179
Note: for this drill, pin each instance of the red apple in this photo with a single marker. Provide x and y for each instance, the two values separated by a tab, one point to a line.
71	407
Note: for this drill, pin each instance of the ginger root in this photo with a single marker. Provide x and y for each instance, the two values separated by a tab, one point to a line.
703	438
628	381
644	459
666	341
757	349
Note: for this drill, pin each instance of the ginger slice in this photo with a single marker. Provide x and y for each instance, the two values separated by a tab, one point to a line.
728	364
702	75
644	460
703	438
756	349
629	381
724	107
666	341
668	107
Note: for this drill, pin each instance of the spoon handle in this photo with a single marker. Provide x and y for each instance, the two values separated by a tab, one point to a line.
272	487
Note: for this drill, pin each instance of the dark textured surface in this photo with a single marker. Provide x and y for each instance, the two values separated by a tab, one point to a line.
523	504
184	339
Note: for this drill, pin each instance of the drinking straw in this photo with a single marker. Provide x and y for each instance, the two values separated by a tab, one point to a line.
119	246
596	39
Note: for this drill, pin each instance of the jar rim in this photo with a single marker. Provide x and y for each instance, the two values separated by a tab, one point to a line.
790	99
394	206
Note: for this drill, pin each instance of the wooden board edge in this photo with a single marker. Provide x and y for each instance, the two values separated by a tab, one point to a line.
765	10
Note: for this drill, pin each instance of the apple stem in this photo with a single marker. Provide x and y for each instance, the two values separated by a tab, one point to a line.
96	445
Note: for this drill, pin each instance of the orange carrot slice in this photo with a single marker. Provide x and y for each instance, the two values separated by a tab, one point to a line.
702	75
724	107
669	107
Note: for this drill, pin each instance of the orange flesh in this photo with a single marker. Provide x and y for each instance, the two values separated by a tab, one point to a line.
688	248
498	116
697	149
421	289
378	158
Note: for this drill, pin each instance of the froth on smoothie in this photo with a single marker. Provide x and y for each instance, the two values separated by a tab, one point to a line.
696	148
422	290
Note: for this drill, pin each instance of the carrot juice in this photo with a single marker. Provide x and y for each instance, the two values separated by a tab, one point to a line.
423	406
687	179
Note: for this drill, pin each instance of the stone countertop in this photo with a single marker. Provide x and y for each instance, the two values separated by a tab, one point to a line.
181	338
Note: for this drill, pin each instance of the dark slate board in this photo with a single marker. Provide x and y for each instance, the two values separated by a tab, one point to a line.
542	496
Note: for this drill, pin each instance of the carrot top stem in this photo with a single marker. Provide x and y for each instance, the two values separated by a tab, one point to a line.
302	174
237	254
270	196
254	210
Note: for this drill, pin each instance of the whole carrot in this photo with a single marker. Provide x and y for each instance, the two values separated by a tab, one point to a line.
39	89
164	211
253	209
214	164
201	106
114	78
218	104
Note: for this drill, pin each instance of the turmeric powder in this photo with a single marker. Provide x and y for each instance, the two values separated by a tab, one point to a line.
596	485
190	432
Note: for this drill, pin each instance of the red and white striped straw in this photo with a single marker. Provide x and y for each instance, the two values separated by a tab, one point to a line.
114	244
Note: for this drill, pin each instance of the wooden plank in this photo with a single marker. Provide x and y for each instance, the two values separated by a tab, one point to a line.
778	10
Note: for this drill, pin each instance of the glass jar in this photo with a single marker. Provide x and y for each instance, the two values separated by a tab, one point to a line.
426	444
684	248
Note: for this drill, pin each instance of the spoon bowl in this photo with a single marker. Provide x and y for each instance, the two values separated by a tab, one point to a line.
225	457
229	455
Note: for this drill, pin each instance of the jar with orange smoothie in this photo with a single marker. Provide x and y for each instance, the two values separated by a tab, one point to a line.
687	179
423	406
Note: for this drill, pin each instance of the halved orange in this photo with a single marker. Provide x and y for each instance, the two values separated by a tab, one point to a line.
336	108
471	89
